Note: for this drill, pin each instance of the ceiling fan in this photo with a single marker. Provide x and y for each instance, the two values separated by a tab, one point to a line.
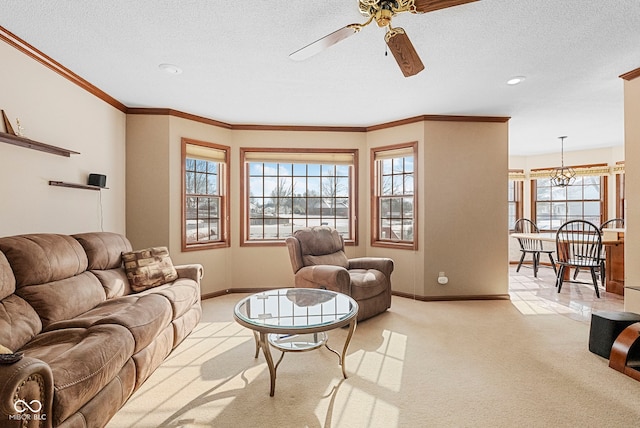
381	11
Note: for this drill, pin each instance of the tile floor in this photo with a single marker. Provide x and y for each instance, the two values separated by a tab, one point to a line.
540	296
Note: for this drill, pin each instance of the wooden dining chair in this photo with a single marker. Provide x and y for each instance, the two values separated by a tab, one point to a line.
578	245
531	246
612	223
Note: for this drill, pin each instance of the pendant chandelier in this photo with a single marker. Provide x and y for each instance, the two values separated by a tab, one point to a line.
563	176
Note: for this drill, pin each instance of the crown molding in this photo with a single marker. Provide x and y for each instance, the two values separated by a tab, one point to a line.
298	128
50	63
177	113
247	127
439	118
631	74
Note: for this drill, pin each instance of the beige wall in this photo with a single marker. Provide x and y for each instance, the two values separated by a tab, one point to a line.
632	183
55	111
153	209
409	266
148	180
465	176
461	209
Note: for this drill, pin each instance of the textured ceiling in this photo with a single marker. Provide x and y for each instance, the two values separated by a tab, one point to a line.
234	57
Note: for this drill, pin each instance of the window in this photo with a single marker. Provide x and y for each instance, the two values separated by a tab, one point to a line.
285	190
393	208
515	190
205	206
584	199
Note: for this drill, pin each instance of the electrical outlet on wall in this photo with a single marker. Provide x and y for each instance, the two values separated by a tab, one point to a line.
442	278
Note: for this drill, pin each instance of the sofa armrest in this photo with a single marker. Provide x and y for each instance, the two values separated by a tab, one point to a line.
383	264
27	381
193	271
334	278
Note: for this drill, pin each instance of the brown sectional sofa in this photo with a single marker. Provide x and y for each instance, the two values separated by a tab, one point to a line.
88	341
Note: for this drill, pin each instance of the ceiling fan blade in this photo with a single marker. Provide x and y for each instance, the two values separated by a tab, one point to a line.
424	6
404	52
325	42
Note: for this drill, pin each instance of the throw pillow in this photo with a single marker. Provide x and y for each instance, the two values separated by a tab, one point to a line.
148	268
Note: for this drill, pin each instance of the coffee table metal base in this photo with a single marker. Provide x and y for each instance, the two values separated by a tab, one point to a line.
296	343
296	320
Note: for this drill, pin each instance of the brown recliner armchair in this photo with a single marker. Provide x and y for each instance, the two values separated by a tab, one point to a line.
319	261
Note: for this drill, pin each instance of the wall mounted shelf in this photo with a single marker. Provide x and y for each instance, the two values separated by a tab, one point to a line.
75	185
35	145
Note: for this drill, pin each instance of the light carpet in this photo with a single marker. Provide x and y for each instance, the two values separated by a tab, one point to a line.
420	364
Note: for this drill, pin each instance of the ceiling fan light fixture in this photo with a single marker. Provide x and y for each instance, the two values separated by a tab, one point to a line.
382	11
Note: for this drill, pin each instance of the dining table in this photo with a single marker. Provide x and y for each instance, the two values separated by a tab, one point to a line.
612	240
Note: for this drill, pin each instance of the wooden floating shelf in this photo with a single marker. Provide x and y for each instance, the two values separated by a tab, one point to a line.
35	145
75	185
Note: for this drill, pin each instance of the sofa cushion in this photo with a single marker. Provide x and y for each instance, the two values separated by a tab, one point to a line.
41	258
318	241
104	249
339	258
19	322
7	280
181	294
144	316
367	283
114	282
65	298
149	268
82	360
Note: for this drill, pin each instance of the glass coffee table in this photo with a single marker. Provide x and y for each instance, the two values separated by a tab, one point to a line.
296	320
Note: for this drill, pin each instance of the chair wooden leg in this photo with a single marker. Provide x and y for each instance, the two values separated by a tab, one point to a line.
575	273
536	261
603	276
553	264
595	281
521	260
560	277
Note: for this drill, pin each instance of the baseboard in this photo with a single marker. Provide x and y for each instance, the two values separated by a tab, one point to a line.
395	293
453	297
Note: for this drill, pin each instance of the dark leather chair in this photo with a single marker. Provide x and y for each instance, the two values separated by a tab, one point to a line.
319	261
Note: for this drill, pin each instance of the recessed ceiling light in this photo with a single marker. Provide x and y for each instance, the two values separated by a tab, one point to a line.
170	68
515	80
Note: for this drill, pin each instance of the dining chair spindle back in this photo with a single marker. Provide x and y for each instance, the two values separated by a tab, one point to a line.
531	246
578	245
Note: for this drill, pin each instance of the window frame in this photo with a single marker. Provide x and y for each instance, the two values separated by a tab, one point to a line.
245	225
603	191
518	195
375	177
224	192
